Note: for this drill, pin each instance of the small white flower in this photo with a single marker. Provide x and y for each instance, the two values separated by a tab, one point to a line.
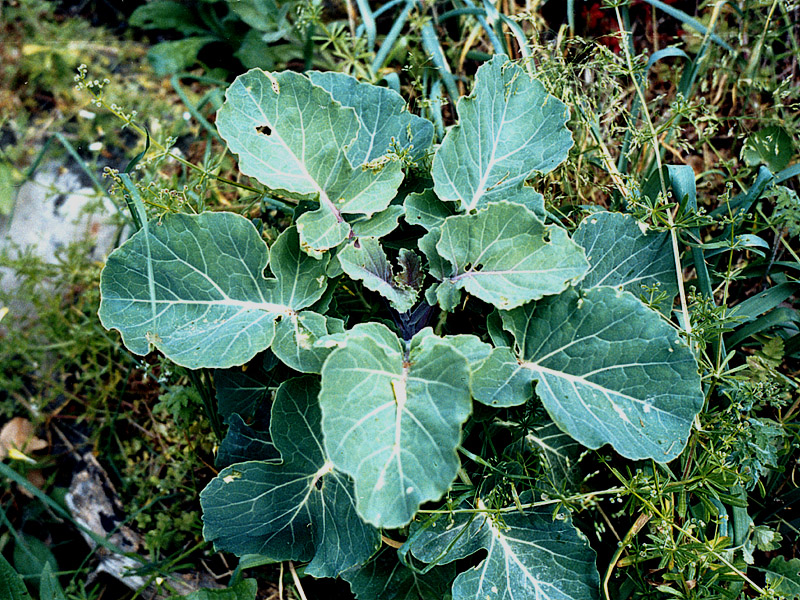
86	114
95	146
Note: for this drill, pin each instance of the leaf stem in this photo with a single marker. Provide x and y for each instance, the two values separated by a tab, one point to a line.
516	508
130	123
687	323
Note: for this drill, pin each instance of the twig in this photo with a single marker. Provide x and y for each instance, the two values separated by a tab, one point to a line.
687	323
296	580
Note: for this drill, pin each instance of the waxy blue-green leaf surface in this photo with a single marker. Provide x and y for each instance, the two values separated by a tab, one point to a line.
366	261
377	225
386	124
393	421
621	255
296	336
243	443
529	556
193	287
558	450
384	577
300	509
506	256
425	209
508	129
608	369
242	391
291	134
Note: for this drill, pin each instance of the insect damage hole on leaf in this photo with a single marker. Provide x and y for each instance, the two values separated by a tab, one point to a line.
264	129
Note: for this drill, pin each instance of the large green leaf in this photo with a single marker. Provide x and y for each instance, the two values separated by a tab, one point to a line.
771	146
386	578
31	555
265	16
367	262
509	128
296	336
193	287
166	14
621	255
558	451
506	256
425	209
243	443
241	391
378	225
300	509
386	124
530	555
392	418
608	370
176	55
291	134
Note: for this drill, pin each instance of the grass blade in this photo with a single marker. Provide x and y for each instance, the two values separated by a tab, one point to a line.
688	21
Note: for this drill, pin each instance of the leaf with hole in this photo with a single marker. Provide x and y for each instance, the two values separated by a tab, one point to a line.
292	135
506	256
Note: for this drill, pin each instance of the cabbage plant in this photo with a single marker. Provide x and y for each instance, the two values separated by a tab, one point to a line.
478	305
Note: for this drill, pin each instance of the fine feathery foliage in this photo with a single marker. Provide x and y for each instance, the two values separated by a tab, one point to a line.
367	425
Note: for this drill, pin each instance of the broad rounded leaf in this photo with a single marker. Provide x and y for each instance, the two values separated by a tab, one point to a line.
393	420
291	134
506	256
300	509
386	124
621	255
296	336
425	209
193	287
509	128
608	370
386	578
171	56
530	555
241	391
243	443
266	18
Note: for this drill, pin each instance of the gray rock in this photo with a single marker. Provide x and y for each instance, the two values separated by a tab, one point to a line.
54	210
